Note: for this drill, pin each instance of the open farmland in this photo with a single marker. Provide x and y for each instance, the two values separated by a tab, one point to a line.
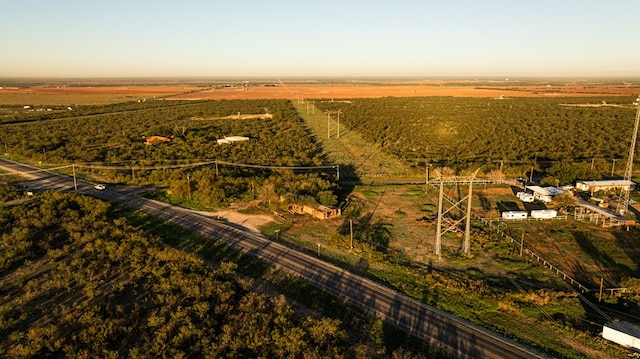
338	91
94	92
85	95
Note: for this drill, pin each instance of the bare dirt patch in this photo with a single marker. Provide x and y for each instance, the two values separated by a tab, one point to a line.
498	191
248	221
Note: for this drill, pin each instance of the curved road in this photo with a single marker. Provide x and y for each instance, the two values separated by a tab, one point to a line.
440	328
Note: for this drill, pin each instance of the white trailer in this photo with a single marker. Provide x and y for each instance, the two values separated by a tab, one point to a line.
544	213
514	215
623	333
542	197
525	196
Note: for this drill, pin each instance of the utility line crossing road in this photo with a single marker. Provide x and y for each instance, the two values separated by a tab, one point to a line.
444	330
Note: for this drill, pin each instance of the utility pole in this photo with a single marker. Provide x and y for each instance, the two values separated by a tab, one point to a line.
601	285
466	248
531	175
328	125
216	168
592	160
426	177
438	246
75	183
522	244
188	186
351	231
613	166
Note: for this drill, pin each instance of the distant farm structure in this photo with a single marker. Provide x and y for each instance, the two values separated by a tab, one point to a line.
150	140
319	212
231	139
608	185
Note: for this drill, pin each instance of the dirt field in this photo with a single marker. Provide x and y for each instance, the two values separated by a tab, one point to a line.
400	90
320	91
158	90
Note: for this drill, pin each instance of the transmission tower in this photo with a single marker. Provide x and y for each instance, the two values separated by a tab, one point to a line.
333	127
623	206
453	225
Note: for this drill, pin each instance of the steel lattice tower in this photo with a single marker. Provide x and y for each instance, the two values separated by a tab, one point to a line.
623	206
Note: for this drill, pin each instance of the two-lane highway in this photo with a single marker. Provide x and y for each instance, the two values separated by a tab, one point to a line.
446	331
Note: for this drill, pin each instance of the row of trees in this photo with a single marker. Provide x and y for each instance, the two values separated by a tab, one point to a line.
78	283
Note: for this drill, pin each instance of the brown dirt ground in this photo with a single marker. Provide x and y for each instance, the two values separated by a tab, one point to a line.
292	91
371	91
100	90
498	191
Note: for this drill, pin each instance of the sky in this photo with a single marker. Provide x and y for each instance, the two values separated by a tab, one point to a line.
304	38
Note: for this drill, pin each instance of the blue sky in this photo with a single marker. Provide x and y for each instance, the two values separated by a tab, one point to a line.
280	38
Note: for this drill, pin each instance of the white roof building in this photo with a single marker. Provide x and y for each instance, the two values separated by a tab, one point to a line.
604	185
230	139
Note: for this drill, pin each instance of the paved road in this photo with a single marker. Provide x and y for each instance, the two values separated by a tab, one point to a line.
435	326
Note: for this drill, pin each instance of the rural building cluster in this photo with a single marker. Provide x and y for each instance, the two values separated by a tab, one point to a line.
587	207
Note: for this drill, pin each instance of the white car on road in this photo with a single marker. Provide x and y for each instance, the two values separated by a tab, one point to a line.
99	187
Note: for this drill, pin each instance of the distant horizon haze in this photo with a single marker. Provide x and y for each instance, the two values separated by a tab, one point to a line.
308	39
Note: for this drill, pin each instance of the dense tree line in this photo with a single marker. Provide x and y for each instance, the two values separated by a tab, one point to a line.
114	135
77	283
458	131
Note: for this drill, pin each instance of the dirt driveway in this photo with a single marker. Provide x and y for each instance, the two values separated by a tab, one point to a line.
249	222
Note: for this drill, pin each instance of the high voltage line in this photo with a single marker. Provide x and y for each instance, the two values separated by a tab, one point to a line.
101	165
